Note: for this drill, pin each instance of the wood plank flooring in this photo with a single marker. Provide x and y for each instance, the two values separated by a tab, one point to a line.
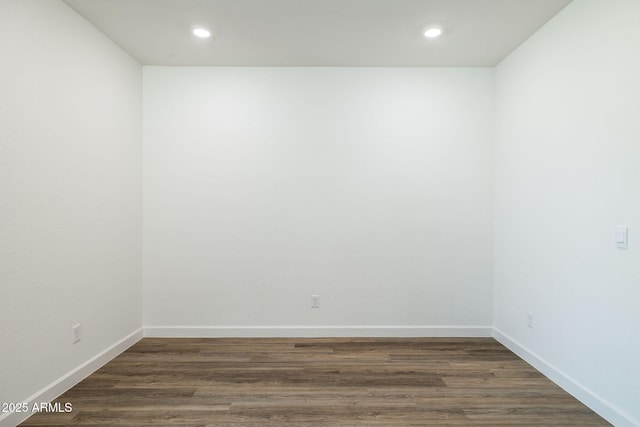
318	382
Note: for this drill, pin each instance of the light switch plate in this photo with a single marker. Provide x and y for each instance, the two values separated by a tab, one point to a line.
622	231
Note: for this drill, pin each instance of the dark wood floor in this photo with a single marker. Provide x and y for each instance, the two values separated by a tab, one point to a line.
318	382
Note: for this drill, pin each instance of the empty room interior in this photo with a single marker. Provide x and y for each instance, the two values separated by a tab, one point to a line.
320	212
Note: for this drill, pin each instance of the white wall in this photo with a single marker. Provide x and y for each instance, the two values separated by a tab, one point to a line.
70	194
369	187
568	172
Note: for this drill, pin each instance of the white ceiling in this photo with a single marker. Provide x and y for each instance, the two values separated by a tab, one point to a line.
477	33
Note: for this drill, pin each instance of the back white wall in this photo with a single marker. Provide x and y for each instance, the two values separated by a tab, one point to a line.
369	187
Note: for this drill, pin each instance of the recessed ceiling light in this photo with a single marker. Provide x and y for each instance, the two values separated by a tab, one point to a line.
432	33
201	32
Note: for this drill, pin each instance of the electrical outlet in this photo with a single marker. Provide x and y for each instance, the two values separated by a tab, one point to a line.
530	319
315	301
76	332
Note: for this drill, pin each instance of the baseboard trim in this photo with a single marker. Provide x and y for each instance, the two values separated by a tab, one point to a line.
602	407
72	378
314	331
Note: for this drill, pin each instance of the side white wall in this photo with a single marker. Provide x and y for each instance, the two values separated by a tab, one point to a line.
369	187
70	196
567	173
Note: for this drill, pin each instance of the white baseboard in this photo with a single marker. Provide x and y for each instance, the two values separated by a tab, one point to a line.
314	331
72	378
606	410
